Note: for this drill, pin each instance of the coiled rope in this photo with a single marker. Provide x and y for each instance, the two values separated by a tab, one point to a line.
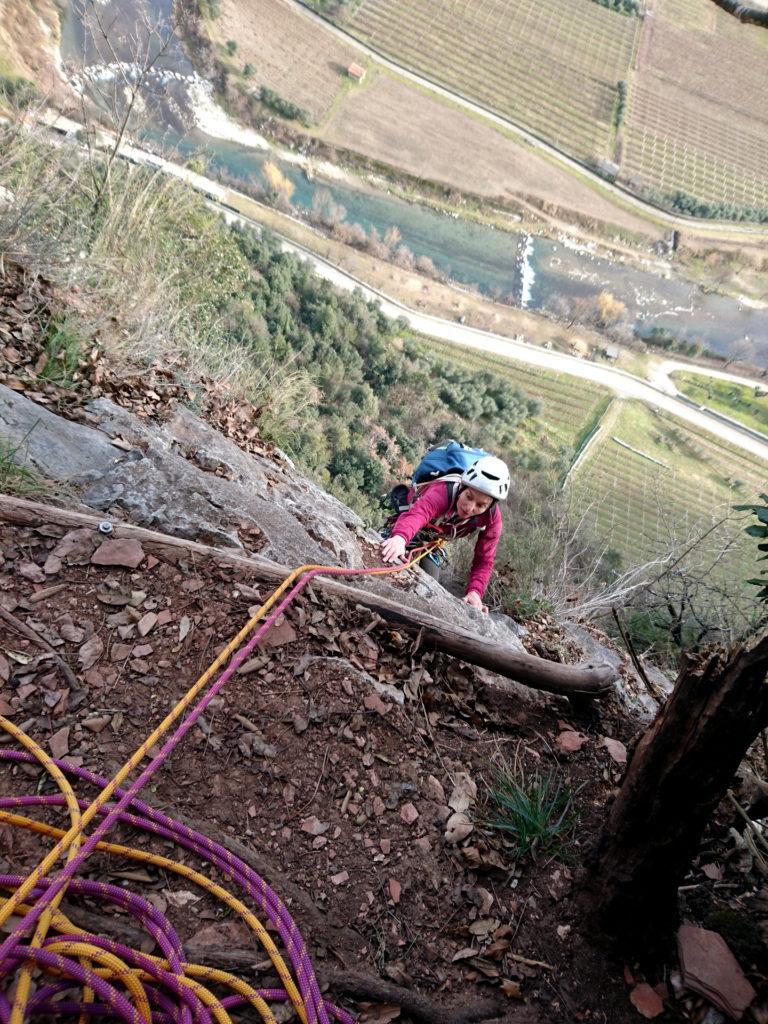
110	977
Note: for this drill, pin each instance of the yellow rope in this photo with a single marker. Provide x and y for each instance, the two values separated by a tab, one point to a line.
71	840
23	987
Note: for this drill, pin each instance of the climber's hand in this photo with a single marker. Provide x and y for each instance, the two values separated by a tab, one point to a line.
393	549
474	599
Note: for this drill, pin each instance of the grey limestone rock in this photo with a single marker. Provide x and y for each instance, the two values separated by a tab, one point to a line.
183	478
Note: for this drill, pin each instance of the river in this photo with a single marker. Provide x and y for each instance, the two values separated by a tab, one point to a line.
537	273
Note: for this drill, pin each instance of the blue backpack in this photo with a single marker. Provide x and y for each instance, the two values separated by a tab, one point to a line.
447	459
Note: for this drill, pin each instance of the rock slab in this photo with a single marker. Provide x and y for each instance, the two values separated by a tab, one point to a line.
710	968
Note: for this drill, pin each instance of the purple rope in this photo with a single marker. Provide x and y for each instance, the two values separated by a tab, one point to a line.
305	976
191	840
85	976
317	1013
232	866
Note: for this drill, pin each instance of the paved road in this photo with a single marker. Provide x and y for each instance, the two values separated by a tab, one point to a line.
622	384
709	228
660	375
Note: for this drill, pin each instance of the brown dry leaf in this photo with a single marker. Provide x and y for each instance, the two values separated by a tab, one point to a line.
457	827
381	1014
31	572
69	631
463	954
511	989
464	793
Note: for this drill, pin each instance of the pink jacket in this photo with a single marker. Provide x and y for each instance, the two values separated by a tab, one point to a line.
434	507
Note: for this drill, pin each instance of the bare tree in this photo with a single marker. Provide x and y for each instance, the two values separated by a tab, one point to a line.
679	773
118	92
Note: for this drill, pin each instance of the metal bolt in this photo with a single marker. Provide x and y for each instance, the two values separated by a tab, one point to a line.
105	528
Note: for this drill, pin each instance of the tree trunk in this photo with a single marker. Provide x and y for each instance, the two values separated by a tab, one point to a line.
587	679
680	771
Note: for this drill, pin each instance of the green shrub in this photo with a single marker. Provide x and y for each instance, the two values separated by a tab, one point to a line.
17	91
536	812
248	70
231	47
284	107
760	531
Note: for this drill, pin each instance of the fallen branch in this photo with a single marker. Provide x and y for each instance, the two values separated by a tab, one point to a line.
588	679
364	986
31	634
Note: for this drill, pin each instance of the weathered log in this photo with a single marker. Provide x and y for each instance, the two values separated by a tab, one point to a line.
680	771
588	679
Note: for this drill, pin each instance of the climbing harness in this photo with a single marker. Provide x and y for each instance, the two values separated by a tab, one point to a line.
91	976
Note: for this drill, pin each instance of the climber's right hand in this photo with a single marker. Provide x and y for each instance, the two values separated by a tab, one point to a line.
393	549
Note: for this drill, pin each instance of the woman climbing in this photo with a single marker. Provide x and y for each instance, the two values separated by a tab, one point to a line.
455	506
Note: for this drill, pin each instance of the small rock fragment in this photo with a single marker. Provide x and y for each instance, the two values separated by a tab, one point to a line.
616	749
59	743
314	826
125	552
710	968
146	623
408	813
646	1000
569	741
98	723
395	890
340	878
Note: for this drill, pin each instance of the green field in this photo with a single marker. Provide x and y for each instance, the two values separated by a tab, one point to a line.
748	405
643	510
547	65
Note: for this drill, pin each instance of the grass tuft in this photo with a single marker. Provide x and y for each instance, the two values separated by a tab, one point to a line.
17	479
535	811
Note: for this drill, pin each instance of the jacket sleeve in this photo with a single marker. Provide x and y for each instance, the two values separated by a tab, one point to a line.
431	503
485	553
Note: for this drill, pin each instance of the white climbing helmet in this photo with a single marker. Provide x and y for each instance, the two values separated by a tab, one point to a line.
488	475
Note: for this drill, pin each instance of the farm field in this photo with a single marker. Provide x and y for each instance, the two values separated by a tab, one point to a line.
549	66
692	122
394	121
643	509
735	400
274	39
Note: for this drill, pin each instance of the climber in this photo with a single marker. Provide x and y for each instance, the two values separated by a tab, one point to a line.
454	506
